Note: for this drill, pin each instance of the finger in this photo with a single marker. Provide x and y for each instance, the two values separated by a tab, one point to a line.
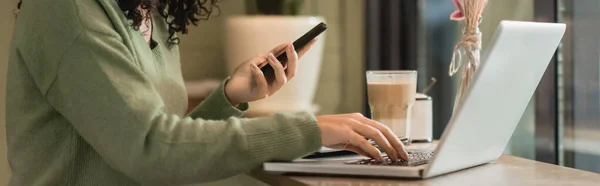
261	82
280	78
360	141
292	62
303	50
358	150
263	64
279	48
374	133
260	60
389	135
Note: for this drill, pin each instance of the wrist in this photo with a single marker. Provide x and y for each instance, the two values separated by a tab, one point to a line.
228	96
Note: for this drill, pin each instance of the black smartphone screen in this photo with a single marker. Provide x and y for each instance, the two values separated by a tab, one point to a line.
269	72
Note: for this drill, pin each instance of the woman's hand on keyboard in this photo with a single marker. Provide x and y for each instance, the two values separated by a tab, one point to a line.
348	131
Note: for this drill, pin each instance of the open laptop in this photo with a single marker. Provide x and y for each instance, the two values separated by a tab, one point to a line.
511	68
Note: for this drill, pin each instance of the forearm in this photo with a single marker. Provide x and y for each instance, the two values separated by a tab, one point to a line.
192	151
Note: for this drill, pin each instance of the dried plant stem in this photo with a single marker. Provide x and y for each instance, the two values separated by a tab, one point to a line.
469	46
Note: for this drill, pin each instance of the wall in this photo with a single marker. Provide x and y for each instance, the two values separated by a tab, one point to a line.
341	82
340	87
6	22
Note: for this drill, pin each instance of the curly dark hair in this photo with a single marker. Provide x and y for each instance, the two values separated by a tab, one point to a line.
178	14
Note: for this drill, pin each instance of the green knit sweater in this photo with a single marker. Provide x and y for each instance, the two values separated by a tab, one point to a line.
90	103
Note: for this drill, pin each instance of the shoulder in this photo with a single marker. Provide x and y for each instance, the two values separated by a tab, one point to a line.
69	17
46	30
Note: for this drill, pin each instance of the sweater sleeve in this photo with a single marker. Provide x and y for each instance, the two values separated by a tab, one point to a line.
216	106
114	107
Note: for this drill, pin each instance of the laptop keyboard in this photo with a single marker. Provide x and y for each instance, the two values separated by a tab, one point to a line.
414	159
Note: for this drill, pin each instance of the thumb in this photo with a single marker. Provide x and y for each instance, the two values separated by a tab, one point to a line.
260	60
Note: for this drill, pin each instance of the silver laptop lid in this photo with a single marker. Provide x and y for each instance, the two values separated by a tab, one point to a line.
511	68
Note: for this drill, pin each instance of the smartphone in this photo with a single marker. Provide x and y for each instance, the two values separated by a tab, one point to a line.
269	72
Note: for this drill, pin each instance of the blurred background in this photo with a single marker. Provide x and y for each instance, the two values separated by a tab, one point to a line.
561	124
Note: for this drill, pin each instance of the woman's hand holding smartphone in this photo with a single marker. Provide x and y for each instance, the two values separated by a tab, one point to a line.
265	74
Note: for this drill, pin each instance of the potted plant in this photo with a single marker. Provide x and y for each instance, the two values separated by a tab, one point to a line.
268	24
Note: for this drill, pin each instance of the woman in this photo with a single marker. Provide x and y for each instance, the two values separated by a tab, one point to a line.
95	97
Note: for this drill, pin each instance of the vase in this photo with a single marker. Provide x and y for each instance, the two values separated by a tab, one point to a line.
248	36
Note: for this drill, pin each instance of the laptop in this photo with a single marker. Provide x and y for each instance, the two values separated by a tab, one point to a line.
484	120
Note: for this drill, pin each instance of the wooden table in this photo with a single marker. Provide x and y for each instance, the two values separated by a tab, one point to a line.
508	170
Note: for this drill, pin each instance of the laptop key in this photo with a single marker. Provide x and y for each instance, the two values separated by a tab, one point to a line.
414	159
